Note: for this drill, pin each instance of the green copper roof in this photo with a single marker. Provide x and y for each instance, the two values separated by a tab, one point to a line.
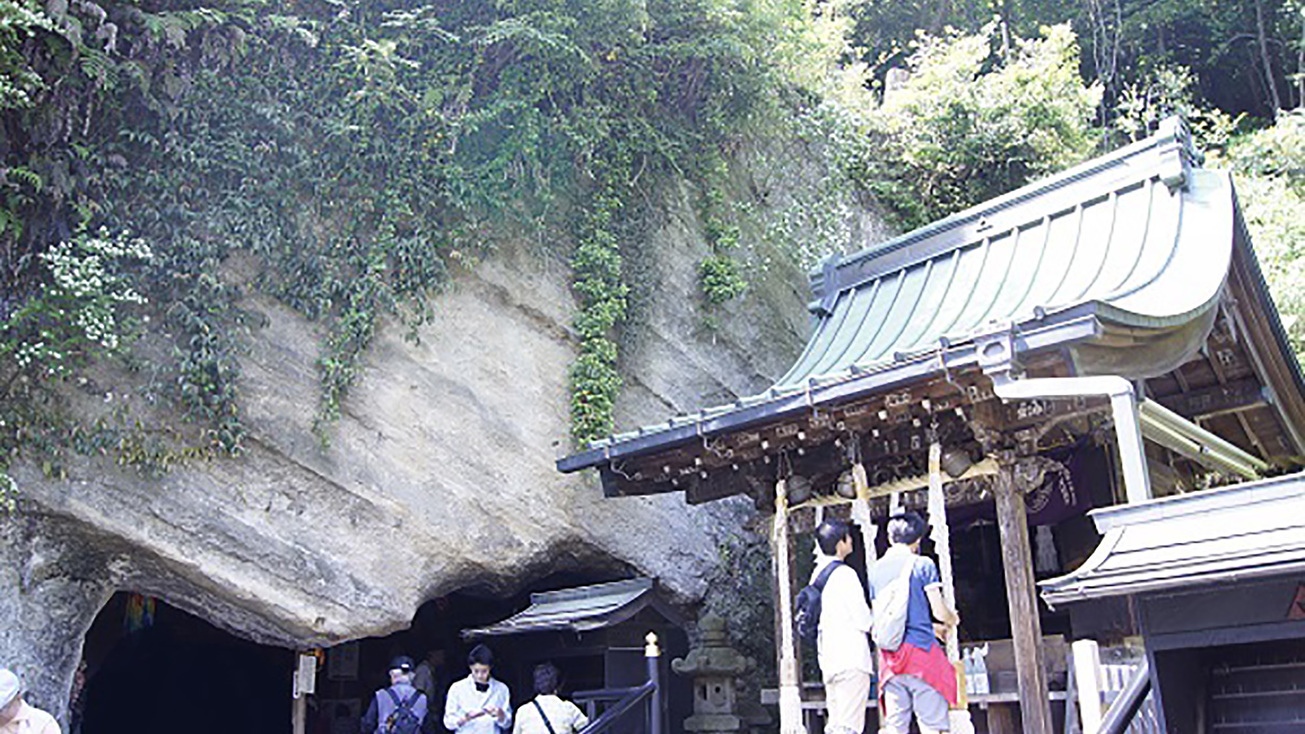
1122	260
1140	232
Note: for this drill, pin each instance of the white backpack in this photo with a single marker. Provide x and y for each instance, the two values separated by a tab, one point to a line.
890	608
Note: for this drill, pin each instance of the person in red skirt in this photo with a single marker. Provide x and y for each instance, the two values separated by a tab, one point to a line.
916	678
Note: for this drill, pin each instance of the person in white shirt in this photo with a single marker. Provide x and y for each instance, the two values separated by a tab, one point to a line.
549	714
842	640
478	704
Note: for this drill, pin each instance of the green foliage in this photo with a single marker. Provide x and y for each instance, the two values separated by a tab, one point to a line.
599	281
1127	43
8	493
719	277
20	21
1170	90
1269	166
345	156
83	311
969	126
80	312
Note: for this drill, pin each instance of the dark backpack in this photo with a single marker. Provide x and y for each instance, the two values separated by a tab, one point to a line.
402	720
806	614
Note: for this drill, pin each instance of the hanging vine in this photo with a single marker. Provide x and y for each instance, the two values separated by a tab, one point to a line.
348	153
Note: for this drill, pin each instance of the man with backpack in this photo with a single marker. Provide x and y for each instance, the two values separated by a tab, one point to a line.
400	708
914	673
844	621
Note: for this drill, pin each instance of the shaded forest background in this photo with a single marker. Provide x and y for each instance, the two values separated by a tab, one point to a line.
357	150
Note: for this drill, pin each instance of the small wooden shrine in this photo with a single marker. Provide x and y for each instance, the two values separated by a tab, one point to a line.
1217	581
1100	337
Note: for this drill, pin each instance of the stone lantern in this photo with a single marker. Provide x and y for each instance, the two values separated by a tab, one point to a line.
714	667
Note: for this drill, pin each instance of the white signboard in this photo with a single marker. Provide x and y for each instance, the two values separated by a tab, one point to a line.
306	675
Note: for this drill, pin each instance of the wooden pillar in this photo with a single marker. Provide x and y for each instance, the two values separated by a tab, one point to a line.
1026	627
790	678
1001	719
960	720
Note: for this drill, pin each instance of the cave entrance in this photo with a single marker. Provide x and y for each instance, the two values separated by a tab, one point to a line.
354	671
154	669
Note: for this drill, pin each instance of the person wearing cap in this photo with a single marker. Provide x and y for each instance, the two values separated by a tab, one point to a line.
16	716
478	704
388	700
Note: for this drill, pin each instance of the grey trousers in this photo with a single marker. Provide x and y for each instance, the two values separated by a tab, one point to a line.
904	694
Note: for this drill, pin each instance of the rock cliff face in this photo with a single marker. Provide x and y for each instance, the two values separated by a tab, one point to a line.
440	474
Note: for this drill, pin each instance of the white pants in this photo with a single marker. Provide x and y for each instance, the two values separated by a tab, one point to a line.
846	696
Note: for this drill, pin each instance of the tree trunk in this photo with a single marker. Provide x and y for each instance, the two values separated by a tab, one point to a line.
1300	63
1274	99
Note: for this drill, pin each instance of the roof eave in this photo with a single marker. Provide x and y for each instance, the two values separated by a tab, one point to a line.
1072	593
1071	326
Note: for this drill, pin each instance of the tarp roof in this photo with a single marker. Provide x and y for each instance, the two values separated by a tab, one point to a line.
580	609
1123	259
1239	532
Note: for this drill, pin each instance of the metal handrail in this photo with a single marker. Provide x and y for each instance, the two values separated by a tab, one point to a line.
606	694
613	714
631	697
1129	701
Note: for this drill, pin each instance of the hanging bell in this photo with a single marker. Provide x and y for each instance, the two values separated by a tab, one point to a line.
846	487
799	490
956	461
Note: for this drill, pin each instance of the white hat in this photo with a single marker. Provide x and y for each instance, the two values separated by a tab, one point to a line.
9	686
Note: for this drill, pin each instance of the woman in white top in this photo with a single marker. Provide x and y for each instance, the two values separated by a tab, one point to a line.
548	714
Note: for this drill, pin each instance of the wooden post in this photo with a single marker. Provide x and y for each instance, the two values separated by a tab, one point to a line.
652	657
1087	676
299	698
869	532
1026	627
1001	719
942	544
861	514
790	679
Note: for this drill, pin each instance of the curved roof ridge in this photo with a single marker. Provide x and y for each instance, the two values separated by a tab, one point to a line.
1172	139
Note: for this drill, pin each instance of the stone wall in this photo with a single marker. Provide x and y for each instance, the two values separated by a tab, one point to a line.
440	475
